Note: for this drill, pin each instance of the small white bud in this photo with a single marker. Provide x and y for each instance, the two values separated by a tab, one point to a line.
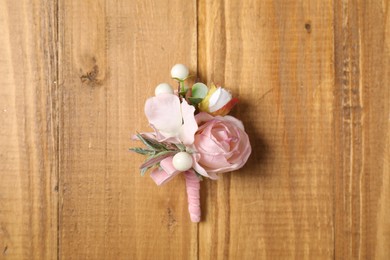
179	71
219	99
182	161
163	88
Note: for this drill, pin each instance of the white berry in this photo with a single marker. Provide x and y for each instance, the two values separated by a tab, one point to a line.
179	71
163	88
182	161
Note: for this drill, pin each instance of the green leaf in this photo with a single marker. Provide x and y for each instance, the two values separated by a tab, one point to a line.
181	147
143	170
194	100
155	159
152	144
199	90
142	151
142	139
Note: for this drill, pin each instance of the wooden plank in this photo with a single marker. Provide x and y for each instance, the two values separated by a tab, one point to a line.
28	132
113	54
277	57
362	60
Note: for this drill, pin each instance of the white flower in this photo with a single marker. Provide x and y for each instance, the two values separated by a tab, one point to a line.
219	99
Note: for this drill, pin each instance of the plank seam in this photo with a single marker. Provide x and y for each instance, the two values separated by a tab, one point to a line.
197	76
57	98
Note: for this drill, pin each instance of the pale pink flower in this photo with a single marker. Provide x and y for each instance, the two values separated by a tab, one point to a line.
221	145
173	121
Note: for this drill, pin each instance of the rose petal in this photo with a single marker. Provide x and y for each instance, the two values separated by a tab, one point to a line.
203	117
206	145
221	143
199	169
220	134
217	161
222	138
242	154
242	151
235	121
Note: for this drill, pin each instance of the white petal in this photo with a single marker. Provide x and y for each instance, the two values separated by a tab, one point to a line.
220	98
214	97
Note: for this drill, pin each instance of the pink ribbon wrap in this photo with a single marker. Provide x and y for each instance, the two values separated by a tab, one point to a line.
166	172
193	187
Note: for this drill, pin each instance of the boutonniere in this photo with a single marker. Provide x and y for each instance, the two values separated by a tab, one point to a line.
193	135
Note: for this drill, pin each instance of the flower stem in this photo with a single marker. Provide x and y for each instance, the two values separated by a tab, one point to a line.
181	85
193	186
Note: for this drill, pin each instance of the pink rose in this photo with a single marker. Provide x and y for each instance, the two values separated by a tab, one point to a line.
221	144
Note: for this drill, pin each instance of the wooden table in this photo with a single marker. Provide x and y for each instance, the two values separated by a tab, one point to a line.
313	79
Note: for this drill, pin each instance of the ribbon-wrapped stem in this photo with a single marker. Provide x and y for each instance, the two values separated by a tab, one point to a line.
193	187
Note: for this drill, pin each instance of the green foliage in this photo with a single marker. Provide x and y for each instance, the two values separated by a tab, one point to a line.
195	101
181	147
142	151
154	159
143	170
155	152
152	144
199	90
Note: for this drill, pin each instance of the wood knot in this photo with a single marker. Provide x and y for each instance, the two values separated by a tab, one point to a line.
170	220
91	77
308	27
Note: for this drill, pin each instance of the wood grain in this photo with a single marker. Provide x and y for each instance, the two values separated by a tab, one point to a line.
28	132
313	79
113	54
362	183
277	57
